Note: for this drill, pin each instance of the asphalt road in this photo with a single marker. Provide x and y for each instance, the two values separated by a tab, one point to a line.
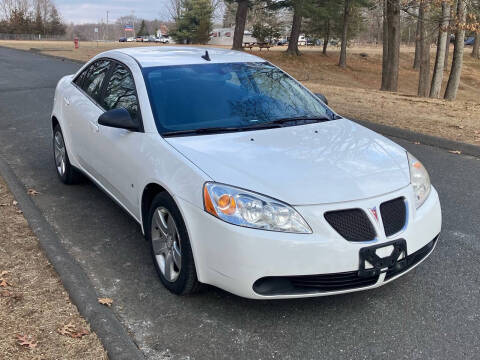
431	313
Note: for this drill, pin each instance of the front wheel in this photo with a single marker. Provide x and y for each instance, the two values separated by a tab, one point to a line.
170	246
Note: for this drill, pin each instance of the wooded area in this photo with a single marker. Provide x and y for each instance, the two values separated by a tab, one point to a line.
427	23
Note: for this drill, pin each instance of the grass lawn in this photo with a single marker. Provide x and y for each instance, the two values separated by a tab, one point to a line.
37	319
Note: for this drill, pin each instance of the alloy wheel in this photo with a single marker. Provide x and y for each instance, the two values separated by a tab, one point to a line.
166	244
60	153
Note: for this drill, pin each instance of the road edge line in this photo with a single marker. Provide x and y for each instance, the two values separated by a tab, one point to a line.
114	337
423	139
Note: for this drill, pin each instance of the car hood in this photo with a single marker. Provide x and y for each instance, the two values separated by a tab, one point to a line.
318	163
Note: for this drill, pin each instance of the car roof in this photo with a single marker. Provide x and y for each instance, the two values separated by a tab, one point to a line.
149	56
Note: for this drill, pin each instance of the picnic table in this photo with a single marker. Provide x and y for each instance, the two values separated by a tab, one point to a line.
251	45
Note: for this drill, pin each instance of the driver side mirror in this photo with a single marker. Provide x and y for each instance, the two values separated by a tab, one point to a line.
118	118
322	97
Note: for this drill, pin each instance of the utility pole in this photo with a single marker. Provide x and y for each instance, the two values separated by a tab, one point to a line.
107	26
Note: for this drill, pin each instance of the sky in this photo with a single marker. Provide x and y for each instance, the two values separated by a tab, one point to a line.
86	11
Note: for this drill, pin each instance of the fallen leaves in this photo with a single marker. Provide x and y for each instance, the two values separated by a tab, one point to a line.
458	152
32	192
71	331
26	341
105	301
3	281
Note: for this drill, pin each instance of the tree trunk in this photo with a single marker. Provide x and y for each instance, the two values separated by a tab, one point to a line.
295	33
476	46
343	50
457	62
240	20
437	77
393	54
424	74
385	47
416	60
449	32
326	38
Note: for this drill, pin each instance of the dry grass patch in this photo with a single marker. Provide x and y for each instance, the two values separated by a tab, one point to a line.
37	319
353	92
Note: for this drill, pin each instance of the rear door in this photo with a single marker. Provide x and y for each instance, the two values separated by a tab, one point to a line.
82	109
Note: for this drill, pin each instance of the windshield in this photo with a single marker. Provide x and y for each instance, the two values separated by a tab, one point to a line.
226	95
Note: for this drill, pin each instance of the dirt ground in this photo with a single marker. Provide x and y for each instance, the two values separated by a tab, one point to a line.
34	307
352	92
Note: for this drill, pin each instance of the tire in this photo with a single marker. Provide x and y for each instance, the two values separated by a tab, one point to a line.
168	239
65	171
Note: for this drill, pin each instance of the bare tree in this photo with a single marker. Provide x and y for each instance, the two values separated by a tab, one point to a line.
385	46
393	42
418	35
424	75
343	49
240	20
295	31
437	77
476	46
449	33
457	62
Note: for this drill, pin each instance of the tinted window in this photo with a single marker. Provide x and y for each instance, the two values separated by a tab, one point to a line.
189	97
120	92
79	79
94	78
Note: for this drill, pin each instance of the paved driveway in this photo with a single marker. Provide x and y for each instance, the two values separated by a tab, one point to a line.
431	313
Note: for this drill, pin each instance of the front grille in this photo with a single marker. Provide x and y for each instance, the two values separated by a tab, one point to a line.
312	283
412	259
394	215
352	224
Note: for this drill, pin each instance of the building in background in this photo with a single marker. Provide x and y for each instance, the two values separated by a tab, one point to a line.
224	36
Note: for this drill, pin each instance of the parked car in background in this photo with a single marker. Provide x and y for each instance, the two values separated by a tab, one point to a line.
139	39
130	39
242	178
122	39
282	42
469	41
163	40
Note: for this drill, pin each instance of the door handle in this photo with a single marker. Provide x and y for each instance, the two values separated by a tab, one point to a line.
67	101
93	126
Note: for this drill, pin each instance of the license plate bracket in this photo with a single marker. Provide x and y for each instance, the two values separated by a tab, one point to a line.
382	264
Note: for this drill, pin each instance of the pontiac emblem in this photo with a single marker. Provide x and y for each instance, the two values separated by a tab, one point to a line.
374	212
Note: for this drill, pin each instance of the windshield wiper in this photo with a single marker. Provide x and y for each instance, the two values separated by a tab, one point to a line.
301	120
217	130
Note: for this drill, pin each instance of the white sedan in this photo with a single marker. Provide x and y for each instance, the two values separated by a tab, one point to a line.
240	177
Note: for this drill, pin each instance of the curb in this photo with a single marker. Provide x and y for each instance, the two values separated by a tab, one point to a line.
114	337
466	149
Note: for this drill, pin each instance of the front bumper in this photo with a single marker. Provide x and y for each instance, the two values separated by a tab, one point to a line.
237	259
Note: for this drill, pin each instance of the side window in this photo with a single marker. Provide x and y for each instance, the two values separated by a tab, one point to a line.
92	83
81	77
120	92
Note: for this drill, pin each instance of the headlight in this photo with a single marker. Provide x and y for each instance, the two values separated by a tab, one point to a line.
245	208
419	179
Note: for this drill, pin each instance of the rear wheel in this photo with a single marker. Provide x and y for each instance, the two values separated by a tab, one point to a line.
170	246
65	171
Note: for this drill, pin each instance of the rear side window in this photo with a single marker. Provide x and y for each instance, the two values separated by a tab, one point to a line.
120	92
92	84
79	80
